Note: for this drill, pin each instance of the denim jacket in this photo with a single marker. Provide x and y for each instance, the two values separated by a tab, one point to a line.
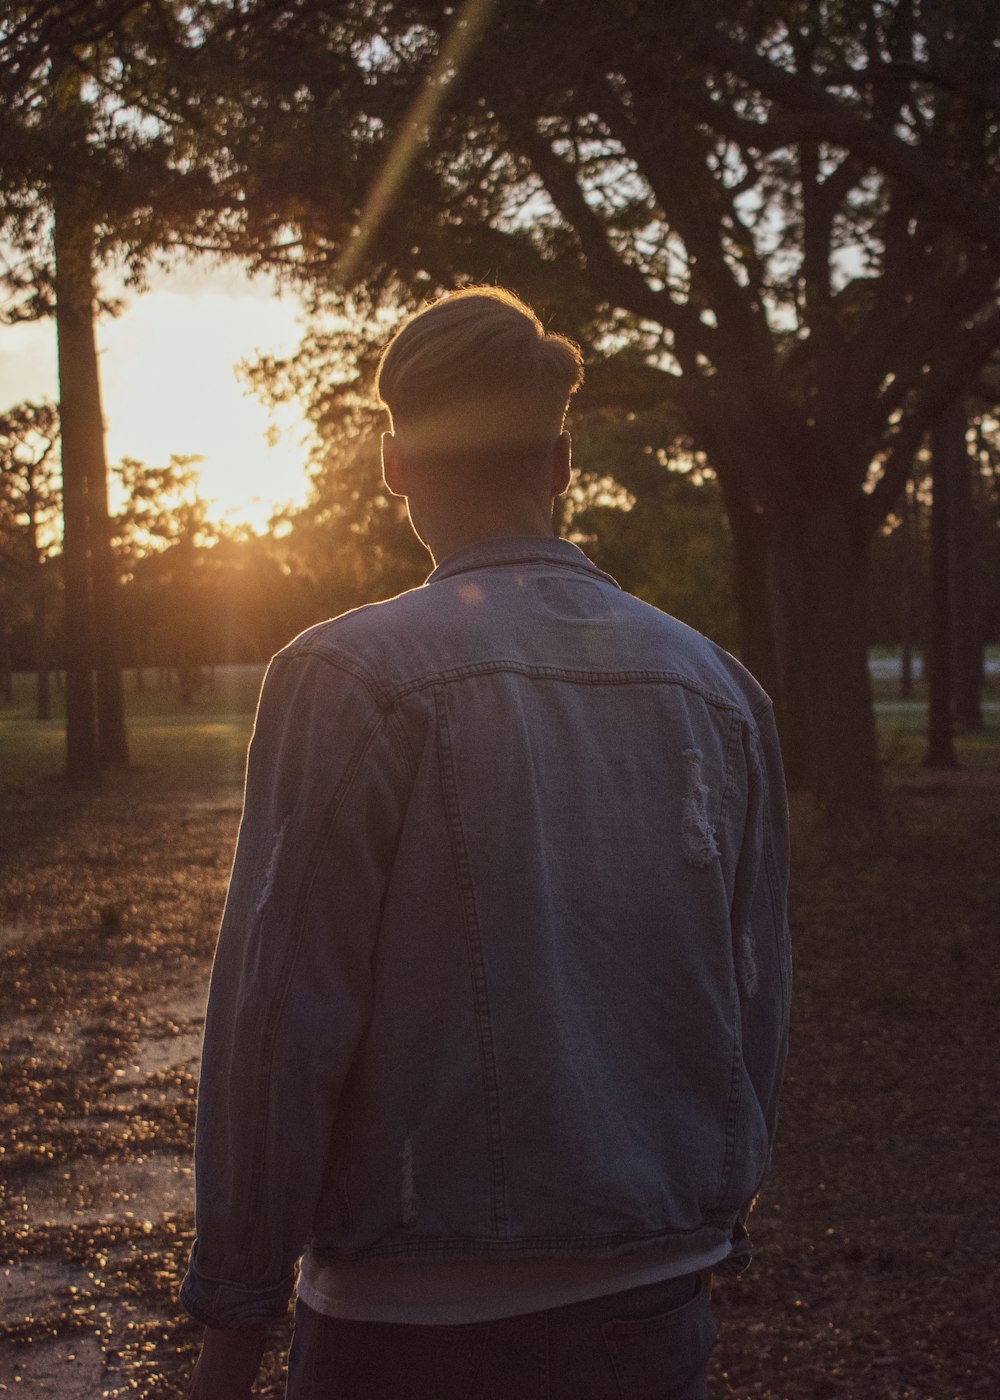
504	965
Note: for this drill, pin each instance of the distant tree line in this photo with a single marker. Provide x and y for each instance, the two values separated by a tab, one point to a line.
195	594
30	504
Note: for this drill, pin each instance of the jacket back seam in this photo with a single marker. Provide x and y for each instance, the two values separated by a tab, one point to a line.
474	944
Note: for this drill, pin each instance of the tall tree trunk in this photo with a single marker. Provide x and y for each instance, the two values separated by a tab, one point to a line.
765	642
907	575
6	670
39	619
112	736
966	622
821	566
753	583
95	736
751	588
40	644
791	638
947	446
81	711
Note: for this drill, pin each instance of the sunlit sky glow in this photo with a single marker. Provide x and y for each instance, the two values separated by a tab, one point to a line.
170	384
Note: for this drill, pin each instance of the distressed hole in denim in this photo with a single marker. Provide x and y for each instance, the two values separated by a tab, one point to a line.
409	1201
748	961
272	868
698	839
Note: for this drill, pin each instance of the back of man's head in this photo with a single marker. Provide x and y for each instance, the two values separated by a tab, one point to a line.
474	385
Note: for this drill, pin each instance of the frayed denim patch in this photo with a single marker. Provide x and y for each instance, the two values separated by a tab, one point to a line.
699	844
272	868
409	1194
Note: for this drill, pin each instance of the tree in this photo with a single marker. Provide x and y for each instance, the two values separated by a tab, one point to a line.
29	508
657	523
789	209
48	214
947	451
160	506
945	526
89	170
198	593
351	541
974	555
161	536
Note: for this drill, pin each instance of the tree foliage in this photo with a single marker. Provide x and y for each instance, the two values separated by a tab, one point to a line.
90	169
29	486
29	510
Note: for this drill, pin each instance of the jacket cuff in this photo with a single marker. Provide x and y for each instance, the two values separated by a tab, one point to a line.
226	1306
738	1260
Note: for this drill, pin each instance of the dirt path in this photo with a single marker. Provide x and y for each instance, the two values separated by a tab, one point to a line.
87	1194
108	920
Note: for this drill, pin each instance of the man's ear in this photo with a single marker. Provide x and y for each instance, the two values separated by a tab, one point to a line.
392	467
562	464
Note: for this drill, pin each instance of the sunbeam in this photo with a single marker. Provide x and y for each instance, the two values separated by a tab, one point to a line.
466	33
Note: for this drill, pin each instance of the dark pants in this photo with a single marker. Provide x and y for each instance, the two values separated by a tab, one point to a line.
650	1343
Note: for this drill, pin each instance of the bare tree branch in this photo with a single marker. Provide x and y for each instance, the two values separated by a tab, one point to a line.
947	380
956	199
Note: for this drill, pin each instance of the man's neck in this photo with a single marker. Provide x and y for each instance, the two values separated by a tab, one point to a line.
447	536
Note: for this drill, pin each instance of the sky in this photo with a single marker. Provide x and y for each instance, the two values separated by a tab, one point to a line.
169	381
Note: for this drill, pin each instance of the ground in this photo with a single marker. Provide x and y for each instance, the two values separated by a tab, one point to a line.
878	1230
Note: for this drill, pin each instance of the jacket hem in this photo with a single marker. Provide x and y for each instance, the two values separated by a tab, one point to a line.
526	1247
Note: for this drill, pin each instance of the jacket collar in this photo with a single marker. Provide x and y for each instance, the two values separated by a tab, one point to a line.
517	549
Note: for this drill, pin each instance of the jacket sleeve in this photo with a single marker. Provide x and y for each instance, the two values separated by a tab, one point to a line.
761	940
292	980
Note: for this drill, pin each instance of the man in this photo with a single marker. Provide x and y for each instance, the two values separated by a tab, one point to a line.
499	1008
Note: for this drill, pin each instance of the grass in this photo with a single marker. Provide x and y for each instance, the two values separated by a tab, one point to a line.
204	741
903	742
230	690
892	653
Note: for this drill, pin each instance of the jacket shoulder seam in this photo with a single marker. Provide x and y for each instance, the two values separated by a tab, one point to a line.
342	662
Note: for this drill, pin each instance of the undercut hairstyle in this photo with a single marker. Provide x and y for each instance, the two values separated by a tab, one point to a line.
475	387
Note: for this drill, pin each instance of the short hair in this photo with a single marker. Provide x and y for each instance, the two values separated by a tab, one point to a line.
473	382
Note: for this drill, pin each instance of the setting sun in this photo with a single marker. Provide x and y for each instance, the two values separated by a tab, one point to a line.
170	385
